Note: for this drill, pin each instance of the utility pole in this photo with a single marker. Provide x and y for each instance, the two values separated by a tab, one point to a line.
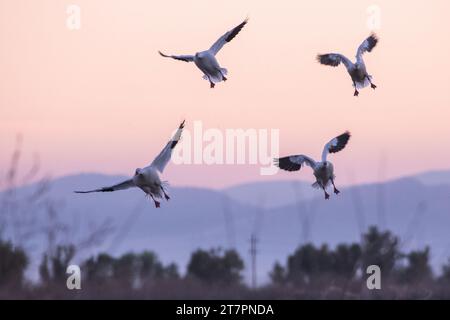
253	252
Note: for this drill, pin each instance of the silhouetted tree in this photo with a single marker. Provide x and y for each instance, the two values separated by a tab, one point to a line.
171	271
44	271
278	274
216	266
381	249
13	262
307	262
346	259
53	266
445	276
126	269
418	268
130	270
150	267
100	269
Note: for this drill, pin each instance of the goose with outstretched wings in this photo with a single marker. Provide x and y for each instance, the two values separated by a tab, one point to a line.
206	60
148	178
357	70
323	170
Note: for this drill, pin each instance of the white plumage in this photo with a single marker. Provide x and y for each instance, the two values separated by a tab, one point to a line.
148	178
323	170
357	70
206	60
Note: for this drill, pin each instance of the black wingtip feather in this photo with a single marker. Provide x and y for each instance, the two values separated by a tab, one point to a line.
236	30
342	142
174	143
326	60
105	189
286	164
372	40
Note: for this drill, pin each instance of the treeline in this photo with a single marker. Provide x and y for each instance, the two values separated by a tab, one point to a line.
314	272
309	263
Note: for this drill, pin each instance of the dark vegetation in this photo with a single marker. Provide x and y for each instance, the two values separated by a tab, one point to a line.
310	272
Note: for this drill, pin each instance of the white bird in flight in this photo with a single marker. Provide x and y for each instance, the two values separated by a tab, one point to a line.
206	60
357	70
323	170
148	179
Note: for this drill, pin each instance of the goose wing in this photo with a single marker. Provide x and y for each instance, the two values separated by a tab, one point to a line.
335	145
185	58
163	157
120	186
334	59
227	37
366	46
294	163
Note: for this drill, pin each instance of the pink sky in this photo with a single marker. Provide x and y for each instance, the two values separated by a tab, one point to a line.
100	99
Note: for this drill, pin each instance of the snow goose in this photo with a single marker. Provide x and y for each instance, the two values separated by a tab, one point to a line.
357	70
206	60
148	179
323	170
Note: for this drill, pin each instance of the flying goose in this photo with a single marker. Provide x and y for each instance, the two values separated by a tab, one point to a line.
147	179
323	170
206	60
357	70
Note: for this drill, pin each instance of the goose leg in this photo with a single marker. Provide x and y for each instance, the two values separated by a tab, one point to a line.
211	84
157	204
165	194
223	77
371	84
336	191
327	196
356	90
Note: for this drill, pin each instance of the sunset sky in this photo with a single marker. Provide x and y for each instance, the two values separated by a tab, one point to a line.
101	99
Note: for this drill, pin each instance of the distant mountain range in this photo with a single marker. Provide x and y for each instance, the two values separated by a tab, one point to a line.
271	194
434	178
283	214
